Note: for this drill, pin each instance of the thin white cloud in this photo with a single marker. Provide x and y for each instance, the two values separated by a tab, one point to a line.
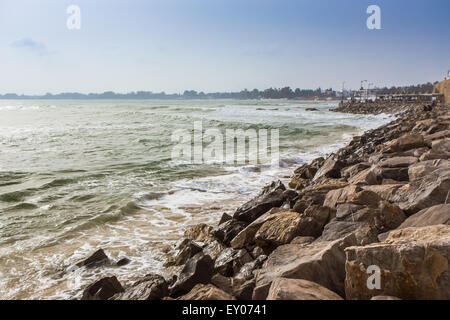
32	46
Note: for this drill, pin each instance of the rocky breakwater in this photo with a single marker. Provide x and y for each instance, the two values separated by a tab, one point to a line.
380	202
377	107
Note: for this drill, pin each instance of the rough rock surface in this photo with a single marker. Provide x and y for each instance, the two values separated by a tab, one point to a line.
320	262
423	193
96	259
298	289
102	289
198	269
206	292
272	196
151	287
413	262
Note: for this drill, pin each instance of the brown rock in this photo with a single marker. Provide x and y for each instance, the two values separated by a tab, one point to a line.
423	193
385	192
297	183
439	214
413	262
385	298
320	262
398	162
206	292
299	289
198	269
213	249
438	135
330	169
335	197
316	194
346	209
243	289
96	259
225	217
228	230
351	171
230	261
222	282
421	169
302	240
280	230
151	287
397	174
247	235
362	232
123	262
406	142
187	249
247	270
271	196
441	146
102	289
364	177
200	232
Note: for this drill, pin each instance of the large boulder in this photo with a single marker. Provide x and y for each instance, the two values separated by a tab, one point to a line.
279	227
247	235
247	271
213	248
423	193
353	170
363	232
226	231
315	194
198	269
206	292
441	146
230	261
272	196
385	192
330	169
341	195
396	174
320	262
240	288
187	249
439	214
151	287
406	142
398	162
413	264
243	289
419	170
305	173
365	177
102	289
288	225
199	232
351	194
299	289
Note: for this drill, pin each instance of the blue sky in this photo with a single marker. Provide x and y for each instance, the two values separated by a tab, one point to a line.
219	45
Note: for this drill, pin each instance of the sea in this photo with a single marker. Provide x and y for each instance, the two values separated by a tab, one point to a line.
79	175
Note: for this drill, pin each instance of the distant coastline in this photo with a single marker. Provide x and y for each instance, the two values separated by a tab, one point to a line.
272	93
286	93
